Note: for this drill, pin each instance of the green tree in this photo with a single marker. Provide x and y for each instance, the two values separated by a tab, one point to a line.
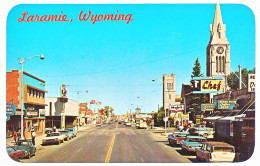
196	69
233	80
160	117
108	110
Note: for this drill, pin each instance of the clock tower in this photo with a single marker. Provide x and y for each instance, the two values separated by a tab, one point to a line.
218	49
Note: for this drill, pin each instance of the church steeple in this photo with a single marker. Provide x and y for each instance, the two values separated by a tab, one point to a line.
218	49
218	29
217	22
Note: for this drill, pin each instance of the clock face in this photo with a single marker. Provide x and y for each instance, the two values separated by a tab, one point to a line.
220	50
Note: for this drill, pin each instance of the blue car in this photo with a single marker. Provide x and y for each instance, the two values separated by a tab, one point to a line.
73	131
191	143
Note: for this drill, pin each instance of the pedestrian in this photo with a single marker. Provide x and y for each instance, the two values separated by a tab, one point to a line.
19	135
54	128
15	136
33	134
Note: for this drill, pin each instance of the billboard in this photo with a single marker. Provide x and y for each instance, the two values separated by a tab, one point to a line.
251	83
226	104
207	84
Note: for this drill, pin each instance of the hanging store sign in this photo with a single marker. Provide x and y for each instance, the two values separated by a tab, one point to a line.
10	110
30	111
176	108
207	84
251	83
178	99
208	106
185	117
226	104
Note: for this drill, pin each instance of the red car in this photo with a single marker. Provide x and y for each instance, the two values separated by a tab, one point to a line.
98	124
15	154
176	138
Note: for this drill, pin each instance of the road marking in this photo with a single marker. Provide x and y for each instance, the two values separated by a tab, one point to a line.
109	152
80	149
116	125
142	160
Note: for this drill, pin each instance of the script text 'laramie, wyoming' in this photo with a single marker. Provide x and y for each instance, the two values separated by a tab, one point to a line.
82	17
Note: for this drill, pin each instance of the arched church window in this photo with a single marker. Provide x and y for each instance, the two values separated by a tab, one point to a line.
216	63
219	66
223	64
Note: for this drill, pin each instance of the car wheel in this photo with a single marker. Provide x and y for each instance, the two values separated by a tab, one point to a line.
29	155
183	151
197	159
205	135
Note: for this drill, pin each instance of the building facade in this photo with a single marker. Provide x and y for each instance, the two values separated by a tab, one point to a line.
169	91
218	49
33	102
54	112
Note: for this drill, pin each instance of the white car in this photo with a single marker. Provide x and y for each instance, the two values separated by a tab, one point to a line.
215	152
53	138
128	124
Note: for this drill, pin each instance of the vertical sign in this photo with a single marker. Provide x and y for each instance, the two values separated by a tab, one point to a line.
251	83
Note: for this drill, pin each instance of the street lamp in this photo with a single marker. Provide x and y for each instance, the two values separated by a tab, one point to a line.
22	61
165	119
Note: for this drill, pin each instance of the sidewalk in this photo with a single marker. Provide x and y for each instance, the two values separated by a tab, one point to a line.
38	139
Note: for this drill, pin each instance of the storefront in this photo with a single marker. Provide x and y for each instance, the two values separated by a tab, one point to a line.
33	102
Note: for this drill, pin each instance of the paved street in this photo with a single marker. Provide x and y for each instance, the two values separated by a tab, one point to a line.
111	143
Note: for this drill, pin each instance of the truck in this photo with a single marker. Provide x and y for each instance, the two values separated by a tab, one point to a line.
142	124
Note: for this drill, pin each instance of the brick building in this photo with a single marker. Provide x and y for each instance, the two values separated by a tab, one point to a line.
34	102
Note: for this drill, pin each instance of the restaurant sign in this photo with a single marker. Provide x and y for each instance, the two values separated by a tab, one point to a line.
226	104
10	110
207	84
208	106
251	82
177	108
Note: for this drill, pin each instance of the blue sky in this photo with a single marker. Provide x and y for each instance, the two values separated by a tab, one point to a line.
116	61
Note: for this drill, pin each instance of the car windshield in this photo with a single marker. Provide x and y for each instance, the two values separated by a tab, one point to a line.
21	143
196	140
223	149
10	149
53	134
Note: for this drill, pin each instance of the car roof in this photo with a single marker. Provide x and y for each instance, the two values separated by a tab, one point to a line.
194	136
216	144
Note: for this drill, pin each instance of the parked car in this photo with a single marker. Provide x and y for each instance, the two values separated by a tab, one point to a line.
98	124
53	138
206	132
191	142
128	124
48	130
137	125
73	131
15	154
215	152
67	133
26	145
177	137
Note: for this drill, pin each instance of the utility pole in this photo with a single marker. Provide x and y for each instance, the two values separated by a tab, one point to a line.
240	76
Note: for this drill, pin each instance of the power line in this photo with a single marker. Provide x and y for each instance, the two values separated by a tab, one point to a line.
130	66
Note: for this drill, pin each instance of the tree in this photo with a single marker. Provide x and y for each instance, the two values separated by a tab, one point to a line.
196	69
233	80
108	110
160	117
